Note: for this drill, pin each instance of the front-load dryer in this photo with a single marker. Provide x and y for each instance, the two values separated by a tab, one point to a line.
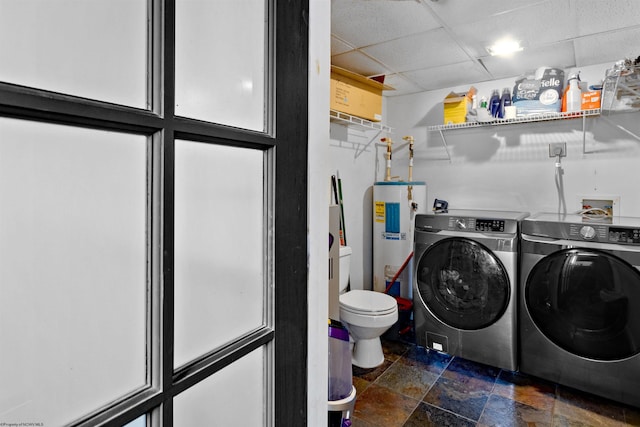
465	284
580	303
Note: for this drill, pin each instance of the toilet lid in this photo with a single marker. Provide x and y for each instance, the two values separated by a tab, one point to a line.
368	302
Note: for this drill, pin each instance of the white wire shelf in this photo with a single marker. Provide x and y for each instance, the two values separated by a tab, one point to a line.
337	116
518	120
528	119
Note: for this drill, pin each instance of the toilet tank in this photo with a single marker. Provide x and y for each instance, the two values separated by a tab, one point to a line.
345	265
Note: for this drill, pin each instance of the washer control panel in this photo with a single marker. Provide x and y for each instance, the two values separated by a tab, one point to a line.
493	225
477	224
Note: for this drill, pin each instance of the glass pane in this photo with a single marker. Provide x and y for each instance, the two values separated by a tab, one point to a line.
235	396
72	270
585	302
89	48
219	254
138	422
463	284
220	61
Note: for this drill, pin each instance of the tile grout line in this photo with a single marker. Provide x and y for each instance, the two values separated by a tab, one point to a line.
493	387
421	400
451	412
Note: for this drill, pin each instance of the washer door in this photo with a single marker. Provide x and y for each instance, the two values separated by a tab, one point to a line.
462	283
586	302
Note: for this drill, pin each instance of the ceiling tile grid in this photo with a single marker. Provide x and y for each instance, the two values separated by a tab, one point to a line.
610	47
430	44
360	63
430	49
596	16
366	22
462	74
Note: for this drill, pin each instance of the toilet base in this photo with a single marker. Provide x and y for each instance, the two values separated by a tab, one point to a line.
367	353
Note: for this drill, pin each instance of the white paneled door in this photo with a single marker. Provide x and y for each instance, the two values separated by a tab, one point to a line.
153	213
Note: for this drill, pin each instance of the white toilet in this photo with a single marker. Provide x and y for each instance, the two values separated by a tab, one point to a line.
366	314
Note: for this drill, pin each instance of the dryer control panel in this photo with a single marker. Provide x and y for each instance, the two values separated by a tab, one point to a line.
624	235
597	233
603	233
618	230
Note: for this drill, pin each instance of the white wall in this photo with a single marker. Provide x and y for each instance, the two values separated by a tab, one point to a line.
508	167
353	152
494	167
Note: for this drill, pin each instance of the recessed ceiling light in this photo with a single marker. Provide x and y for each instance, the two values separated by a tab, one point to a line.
504	47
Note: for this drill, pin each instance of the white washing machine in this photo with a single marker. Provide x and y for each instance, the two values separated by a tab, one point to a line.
580	303
466	280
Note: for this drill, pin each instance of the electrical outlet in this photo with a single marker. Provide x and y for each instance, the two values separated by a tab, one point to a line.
558	149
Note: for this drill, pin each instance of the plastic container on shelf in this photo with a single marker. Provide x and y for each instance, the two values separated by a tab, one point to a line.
340	373
621	88
574	94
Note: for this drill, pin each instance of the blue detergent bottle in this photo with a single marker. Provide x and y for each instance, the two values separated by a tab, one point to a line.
505	101
494	103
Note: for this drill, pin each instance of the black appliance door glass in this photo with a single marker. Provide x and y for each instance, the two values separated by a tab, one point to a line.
586	302
463	284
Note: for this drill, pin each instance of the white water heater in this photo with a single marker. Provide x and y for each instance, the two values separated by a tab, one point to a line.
395	205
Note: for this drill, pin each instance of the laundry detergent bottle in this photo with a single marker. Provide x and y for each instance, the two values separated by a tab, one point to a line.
494	103
505	101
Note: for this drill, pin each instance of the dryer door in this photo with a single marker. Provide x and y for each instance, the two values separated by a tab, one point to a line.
586	302
462	283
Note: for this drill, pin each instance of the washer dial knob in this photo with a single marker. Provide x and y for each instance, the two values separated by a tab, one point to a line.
461	224
587	232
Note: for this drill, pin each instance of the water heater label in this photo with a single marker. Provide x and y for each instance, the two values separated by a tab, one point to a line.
394	236
389	214
378	213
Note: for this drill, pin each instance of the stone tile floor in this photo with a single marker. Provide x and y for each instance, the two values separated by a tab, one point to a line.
417	387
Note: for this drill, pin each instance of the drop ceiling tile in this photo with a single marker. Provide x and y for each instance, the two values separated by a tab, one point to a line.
401	85
608	47
338	46
365	22
429	49
594	16
359	63
536	25
464	12
559	55
403	36
462	74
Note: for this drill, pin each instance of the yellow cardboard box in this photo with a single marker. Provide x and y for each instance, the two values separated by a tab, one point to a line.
456	106
356	95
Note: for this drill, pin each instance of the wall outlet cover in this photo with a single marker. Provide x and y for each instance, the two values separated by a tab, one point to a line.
558	148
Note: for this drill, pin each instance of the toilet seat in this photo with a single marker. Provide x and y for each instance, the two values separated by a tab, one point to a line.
368	303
